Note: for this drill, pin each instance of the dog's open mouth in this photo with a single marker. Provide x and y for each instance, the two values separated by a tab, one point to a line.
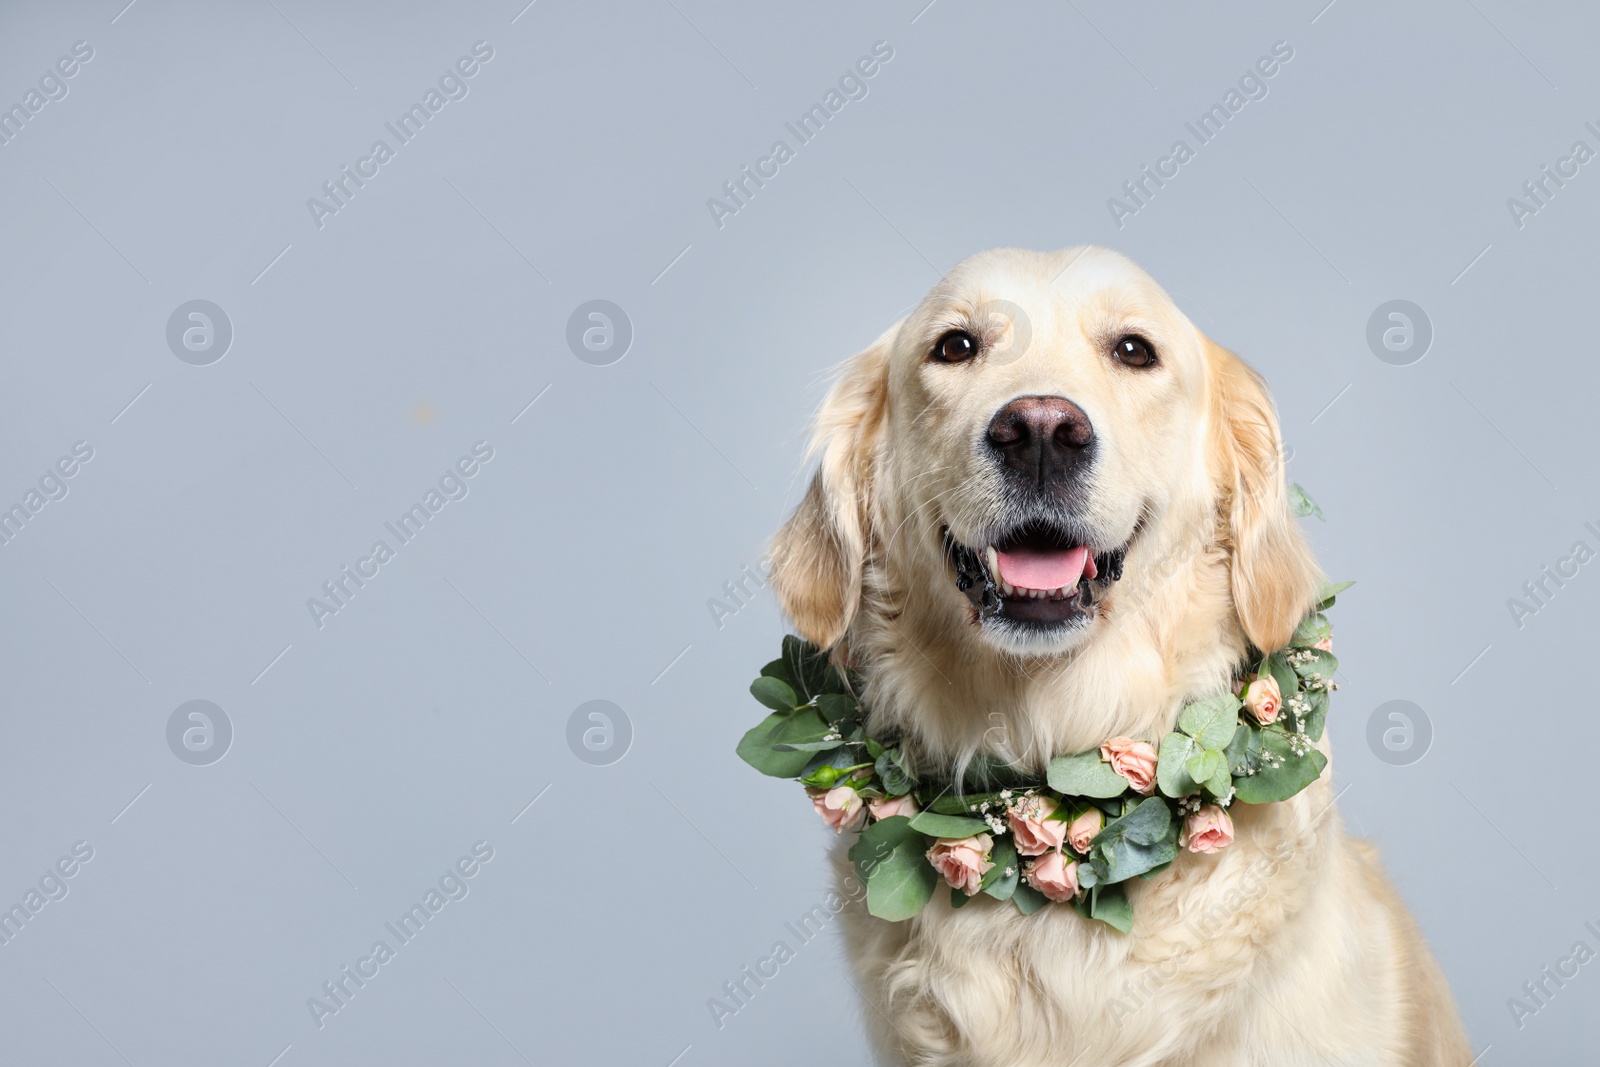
1034	574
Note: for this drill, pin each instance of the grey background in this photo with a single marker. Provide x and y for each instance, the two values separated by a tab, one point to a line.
426	315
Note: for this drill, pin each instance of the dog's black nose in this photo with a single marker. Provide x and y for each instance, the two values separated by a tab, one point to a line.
1044	438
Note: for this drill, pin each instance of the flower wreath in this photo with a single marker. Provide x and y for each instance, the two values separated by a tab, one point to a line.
1099	819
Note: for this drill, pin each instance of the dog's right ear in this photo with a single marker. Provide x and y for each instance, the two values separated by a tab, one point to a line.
818	555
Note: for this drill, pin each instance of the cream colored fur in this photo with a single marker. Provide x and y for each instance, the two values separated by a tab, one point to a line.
1287	948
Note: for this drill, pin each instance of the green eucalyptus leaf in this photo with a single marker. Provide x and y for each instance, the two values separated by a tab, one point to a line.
1313	628
1146	837
1085	775
819	745
1109	904
1028	899
1316	719
836	706
1218	784
877	841
891	859
1317	663
957	897
1329	591
774	693
1301	502
1211	721
997	883
947	826
808	666
896	782
1273	783
1245	748
758	746
1205	764
780	670
1172	768
950	804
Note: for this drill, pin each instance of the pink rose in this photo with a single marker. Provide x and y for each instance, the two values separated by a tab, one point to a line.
1326	644
1134	760
1084	828
1035	832
1053	876
889	807
1209	830
963	861
1263	700
840	807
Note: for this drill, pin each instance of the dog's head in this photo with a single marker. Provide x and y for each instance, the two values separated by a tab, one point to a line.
1044	451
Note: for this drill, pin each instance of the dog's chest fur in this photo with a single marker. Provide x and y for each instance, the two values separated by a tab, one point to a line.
1230	963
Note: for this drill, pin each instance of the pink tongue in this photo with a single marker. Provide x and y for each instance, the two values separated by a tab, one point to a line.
1030	569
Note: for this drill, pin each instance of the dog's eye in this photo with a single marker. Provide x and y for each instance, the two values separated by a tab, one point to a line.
1134	352
957	346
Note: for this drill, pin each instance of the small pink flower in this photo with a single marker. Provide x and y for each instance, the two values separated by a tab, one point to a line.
1035	832
1084	828
963	861
1326	644
889	807
1263	700
1134	760
1208	830
1052	875
840	807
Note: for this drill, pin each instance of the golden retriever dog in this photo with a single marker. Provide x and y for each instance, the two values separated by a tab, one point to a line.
1057	415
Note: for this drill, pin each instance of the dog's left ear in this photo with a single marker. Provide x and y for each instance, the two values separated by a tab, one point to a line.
1274	578
818	555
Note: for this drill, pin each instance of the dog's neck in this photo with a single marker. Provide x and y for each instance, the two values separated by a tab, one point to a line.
1164	640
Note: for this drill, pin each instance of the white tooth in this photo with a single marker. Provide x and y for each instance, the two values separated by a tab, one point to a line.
993	559
1037	594
1005	588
